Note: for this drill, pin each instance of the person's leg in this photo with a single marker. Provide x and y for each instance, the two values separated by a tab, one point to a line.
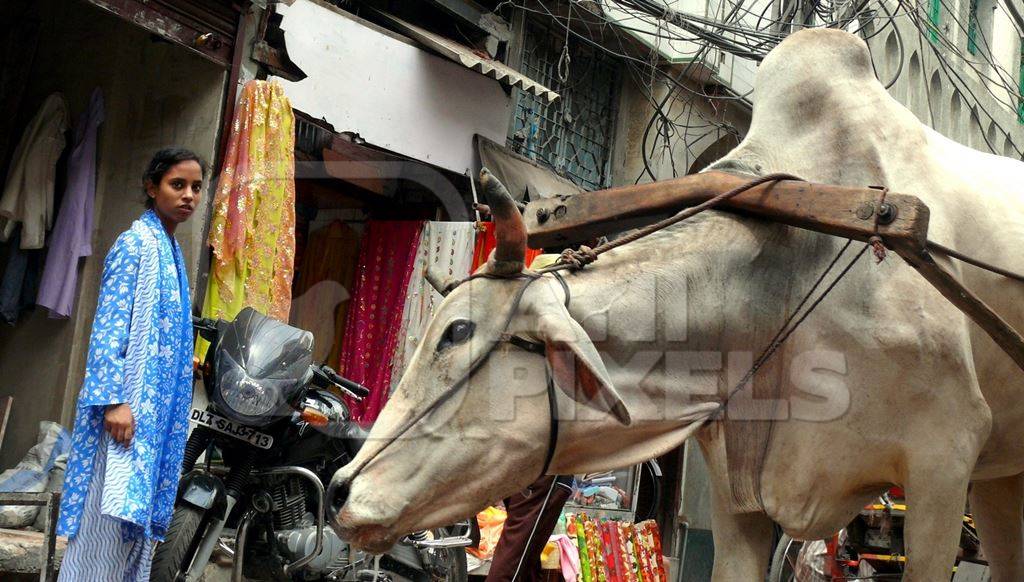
532	516
140	559
97	553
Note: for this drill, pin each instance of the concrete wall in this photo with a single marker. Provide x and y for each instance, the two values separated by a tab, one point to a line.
156	94
975	111
634	113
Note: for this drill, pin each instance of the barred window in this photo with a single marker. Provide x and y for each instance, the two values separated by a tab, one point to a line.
574	134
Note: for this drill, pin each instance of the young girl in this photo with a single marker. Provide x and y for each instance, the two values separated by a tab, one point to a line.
131	422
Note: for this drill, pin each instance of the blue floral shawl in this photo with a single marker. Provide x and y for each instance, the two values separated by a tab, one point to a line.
140	352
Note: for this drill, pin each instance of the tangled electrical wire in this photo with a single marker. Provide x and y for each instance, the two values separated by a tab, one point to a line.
688	115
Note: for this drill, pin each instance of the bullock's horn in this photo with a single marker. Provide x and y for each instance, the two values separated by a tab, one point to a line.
509	229
443	285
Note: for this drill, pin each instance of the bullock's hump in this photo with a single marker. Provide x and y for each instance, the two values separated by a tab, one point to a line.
813	64
819	53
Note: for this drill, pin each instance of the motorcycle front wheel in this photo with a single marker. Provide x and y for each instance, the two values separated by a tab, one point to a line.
179	543
783	568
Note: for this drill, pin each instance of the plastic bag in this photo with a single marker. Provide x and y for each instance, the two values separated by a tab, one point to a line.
492	521
32	474
55	482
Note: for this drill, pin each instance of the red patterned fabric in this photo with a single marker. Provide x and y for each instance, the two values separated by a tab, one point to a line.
627	553
386	261
485	243
610	548
612	551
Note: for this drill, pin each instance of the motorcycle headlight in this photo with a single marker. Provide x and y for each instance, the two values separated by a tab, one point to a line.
248	397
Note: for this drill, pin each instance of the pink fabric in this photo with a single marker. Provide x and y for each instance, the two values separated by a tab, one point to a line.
568	557
386	261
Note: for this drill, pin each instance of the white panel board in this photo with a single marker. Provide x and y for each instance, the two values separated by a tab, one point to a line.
393	94
653	33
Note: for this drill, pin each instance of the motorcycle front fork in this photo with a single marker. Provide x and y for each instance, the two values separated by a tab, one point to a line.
233	486
209	543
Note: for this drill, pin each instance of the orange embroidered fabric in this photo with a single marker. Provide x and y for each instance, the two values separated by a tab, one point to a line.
253	227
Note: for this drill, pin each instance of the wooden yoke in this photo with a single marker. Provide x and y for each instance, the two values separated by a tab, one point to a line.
836	210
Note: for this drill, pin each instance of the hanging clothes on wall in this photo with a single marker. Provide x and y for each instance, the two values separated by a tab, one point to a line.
386	262
20	279
71	238
324	287
485	243
253	227
446	249
28	194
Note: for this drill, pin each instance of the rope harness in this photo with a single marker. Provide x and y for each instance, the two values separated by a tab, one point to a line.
574	260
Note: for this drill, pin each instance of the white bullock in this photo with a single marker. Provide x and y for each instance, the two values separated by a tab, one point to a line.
885	383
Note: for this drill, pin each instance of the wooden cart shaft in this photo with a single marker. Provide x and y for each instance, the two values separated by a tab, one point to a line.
836	210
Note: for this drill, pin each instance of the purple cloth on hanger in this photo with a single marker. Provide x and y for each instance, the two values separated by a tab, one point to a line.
71	238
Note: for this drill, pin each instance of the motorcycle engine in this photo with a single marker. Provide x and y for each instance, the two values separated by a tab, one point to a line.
302	541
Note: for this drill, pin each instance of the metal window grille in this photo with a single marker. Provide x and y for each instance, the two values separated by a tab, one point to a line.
1020	106
574	134
934	19
972	28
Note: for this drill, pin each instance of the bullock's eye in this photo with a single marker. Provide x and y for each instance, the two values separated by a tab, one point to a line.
458	331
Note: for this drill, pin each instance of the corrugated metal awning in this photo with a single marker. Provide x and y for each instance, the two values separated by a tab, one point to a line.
470	59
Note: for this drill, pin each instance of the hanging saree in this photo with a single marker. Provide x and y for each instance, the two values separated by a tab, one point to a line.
650	539
595	551
386	261
586	573
610	549
627	558
253	227
446	248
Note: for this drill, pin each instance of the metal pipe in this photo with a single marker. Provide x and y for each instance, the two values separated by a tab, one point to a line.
226	548
320	498
441	544
240	536
680	551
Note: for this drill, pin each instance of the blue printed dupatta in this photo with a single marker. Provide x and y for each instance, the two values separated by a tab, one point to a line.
140	352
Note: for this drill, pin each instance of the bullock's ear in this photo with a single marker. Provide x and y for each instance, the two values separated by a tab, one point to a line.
576	365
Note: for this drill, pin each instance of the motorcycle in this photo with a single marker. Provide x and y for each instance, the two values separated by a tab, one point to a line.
281	431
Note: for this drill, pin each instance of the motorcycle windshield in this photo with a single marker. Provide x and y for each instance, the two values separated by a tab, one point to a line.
256	349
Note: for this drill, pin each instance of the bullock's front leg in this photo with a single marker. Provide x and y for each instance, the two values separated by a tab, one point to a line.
936	493
742	543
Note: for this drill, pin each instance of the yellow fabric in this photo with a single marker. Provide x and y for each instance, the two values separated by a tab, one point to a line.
252	232
550	558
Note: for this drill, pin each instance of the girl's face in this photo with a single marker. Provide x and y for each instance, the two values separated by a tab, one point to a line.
177	195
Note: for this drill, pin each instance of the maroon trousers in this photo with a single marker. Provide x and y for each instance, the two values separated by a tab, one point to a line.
532	516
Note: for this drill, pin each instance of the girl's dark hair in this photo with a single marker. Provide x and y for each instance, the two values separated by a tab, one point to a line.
164	160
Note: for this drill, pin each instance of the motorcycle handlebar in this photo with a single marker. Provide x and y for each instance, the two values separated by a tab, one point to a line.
202	322
207	328
354	389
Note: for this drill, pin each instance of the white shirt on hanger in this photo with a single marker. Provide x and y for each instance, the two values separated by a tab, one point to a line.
28	194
